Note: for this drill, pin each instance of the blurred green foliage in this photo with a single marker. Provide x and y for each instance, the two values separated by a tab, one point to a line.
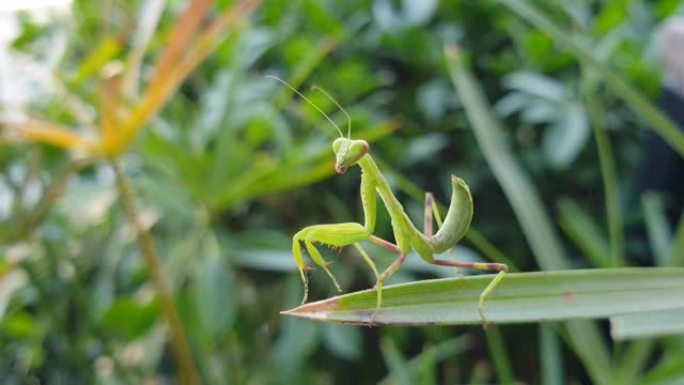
233	165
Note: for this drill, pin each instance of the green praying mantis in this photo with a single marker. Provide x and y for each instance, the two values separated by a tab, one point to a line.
350	152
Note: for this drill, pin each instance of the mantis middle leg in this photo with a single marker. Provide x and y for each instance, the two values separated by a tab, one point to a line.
402	249
380	278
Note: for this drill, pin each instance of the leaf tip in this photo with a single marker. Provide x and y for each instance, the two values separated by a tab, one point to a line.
314	310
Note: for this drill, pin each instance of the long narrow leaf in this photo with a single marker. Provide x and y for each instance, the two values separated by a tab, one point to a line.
396	364
608	169
521	297
651	324
587	343
551	356
441	352
500	357
657	228
582	229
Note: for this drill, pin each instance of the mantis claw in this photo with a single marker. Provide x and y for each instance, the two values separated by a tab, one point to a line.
306	292
373	317
332	277
337	285
378	294
485	323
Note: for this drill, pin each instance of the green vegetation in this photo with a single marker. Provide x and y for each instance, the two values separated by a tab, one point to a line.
149	196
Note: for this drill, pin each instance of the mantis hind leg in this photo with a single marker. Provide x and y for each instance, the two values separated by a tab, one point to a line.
401	248
500	267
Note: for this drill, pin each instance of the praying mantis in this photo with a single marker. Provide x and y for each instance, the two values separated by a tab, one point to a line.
355	152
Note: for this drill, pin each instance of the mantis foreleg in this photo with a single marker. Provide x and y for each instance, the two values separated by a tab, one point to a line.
339	234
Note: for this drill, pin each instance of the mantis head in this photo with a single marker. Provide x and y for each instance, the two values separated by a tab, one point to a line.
348	152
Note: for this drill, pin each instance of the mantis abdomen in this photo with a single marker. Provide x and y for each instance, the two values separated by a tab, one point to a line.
458	217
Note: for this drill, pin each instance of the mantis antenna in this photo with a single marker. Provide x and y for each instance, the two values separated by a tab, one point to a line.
327	95
310	102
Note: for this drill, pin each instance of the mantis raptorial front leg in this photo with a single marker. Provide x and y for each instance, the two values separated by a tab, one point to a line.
338	235
350	152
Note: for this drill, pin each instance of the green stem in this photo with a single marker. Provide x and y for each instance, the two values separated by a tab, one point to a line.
676	255
179	341
587	343
550	356
633	360
441	351
396	364
608	172
500	358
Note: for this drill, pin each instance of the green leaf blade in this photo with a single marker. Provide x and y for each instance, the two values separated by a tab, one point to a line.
520	297
644	325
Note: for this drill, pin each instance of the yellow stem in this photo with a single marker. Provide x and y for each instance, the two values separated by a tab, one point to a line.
188	371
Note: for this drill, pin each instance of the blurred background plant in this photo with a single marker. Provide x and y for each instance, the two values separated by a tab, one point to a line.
224	165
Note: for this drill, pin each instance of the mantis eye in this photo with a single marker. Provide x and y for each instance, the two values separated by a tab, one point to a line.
357	149
337	144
